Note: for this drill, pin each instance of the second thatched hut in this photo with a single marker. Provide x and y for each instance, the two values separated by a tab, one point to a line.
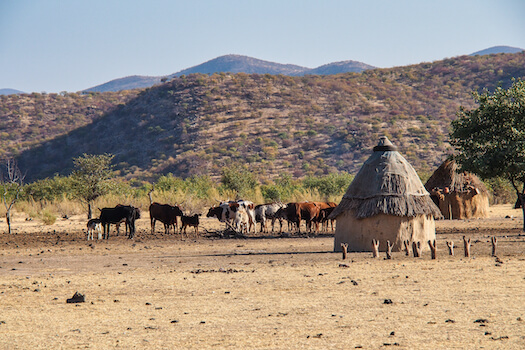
459	195
385	201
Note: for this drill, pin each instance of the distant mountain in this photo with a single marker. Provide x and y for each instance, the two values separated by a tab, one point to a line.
497	49
234	64
339	67
10	92
242	64
127	83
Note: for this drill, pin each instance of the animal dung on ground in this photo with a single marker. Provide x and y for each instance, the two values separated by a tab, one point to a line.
77	298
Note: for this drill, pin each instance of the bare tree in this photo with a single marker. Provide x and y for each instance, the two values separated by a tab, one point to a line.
12	181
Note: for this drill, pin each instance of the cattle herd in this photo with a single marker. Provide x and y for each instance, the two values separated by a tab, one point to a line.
239	216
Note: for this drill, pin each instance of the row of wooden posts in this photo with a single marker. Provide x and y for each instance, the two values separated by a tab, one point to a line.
417	248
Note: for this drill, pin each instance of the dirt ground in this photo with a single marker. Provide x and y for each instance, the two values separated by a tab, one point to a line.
161	292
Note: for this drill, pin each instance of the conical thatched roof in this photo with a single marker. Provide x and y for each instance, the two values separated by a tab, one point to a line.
447	175
386	184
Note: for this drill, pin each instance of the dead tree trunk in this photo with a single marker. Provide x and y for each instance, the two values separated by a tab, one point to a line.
450	246
375	247
433	248
416	249
494	242
407	245
466	244
344	246
389	250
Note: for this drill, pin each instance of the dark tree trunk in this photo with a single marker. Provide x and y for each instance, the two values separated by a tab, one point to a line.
8	220
90	213
521	198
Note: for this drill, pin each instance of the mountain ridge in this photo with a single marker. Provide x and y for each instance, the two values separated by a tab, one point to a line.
198	124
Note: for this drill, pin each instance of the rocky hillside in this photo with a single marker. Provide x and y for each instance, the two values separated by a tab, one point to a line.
198	124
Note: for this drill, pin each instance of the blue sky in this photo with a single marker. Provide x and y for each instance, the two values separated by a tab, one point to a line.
71	45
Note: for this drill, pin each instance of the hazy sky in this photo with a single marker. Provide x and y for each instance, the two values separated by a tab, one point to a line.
71	45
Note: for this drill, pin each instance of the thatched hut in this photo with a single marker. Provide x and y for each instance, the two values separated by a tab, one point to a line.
385	201
459	195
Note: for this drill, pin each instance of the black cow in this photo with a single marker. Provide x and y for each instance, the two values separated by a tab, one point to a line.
165	213
190	221
118	214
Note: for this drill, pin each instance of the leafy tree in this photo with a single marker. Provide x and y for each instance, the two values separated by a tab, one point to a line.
48	190
491	138
240	180
12	181
90	177
329	185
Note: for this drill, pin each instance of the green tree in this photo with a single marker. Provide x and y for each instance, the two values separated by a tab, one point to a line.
240	180
490	139
90	178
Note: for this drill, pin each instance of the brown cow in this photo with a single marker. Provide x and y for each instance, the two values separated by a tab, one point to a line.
306	211
165	213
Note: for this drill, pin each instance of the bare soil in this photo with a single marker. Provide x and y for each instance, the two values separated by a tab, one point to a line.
161	292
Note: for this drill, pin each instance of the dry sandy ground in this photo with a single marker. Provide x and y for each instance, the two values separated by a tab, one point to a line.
159	292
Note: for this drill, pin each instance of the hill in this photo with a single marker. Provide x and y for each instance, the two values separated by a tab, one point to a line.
338	67
10	92
234	64
198	124
127	83
497	49
241	64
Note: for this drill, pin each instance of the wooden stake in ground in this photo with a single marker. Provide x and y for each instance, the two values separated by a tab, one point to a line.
494	242
375	247
407	244
416	249
389	250
450	246
466	244
344	246
433	248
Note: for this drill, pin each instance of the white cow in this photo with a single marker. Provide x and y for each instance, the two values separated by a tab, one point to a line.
92	226
264	212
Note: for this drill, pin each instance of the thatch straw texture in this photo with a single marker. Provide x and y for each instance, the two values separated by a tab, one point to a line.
447	175
459	195
386	184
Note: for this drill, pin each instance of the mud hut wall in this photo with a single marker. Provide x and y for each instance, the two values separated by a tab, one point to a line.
358	233
463	205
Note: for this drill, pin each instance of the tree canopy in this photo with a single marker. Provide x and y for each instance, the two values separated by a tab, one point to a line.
89	178
490	139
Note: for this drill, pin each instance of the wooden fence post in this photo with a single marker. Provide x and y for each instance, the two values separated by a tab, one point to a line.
416	249
375	246
389	250
344	246
433	248
450	246
466	244
407	244
494	242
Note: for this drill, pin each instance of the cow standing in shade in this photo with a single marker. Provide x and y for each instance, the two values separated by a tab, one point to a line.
115	215
165	213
